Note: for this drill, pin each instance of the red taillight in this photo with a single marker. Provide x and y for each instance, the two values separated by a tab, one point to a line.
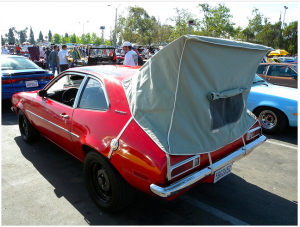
114	57
6	81
180	165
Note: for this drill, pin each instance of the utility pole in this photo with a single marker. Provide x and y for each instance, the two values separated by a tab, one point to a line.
285	8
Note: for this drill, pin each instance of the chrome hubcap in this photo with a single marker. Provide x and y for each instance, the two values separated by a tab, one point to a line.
268	119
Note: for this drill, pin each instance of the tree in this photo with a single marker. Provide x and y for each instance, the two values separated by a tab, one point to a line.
22	37
93	38
72	38
270	35
56	39
41	38
2	40
98	41
88	38
11	36
64	39
217	21
66	35
290	34
31	36
49	36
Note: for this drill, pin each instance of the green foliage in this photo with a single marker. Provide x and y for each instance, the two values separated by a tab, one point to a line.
11	36
41	38
56	39
66	35
64	39
98	41
72	38
291	38
49	36
107	43
216	22
22	37
2	41
31	36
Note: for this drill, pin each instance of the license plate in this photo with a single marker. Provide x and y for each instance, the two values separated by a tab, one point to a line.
32	83
219	174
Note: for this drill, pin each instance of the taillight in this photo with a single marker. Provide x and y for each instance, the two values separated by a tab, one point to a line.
252	133
6	81
50	77
185	164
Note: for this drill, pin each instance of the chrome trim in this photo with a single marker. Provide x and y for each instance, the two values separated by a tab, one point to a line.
117	111
71	133
250	131
199	175
112	146
168	167
211	165
12	109
78	95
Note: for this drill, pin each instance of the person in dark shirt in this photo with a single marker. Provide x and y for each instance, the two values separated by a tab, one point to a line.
47	53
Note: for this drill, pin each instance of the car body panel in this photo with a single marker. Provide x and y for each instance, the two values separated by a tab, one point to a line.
283	74
279	97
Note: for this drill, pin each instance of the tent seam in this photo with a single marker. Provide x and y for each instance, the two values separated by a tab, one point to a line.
168	139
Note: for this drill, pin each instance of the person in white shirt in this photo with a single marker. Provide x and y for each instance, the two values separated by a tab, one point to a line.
42	52
63	59
131	58
4	50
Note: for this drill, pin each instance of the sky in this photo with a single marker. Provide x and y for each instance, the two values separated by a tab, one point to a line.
78	16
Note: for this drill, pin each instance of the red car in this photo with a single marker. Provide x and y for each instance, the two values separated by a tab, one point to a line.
92	113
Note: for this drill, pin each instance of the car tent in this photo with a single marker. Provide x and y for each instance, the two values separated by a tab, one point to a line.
191	97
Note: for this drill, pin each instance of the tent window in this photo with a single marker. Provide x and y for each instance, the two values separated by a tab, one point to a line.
225	111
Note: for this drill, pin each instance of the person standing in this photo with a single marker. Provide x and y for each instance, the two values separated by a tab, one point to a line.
47	53
54	61
131	58
42	52
4	50
63	58
75	56
18	49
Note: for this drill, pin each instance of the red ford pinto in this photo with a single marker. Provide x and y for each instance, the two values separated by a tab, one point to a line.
178	120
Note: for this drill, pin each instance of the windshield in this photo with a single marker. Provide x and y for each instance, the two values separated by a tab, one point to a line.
258	79
18	63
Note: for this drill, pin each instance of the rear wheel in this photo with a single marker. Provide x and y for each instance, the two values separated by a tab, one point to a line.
108	189
272	120
28	132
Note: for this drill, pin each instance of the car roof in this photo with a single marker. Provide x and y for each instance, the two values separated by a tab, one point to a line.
283	63
118	72
11	56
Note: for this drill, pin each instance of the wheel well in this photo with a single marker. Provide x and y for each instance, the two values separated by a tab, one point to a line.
86	149
273	108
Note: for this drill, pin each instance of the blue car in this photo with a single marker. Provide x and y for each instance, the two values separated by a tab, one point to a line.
275	106
21	74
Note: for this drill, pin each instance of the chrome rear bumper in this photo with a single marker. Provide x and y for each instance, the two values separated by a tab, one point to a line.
197	176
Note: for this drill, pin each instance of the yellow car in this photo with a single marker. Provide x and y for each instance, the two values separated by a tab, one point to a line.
80	62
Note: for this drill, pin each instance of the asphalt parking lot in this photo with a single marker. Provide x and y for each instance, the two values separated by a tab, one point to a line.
43	185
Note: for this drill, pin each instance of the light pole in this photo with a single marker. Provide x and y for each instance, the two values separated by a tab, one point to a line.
115	25
285	8
83	26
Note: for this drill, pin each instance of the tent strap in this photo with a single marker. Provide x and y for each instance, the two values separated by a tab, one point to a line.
211	165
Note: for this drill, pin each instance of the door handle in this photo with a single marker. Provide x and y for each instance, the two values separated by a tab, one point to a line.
65	116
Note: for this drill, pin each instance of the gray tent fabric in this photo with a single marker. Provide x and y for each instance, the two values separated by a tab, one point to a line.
171	96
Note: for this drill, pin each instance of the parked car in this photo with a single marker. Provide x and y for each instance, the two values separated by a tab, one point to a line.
286	59
19	74
275	106
103	56
154	128
80	62
284	74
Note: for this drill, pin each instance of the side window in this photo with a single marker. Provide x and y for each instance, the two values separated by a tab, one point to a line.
65	89
273	71
261	69
93	96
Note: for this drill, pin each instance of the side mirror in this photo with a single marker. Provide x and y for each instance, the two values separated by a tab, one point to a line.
42	93
294	76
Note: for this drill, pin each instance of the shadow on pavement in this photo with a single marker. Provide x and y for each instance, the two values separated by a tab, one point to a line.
232	195
288	135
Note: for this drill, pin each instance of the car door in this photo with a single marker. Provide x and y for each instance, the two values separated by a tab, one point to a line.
52	115
282	75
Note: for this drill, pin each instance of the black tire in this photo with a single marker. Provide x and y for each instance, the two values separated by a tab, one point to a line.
28	132
108	189
272	120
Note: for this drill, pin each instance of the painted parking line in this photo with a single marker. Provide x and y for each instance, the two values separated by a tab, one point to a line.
281	144
211	210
